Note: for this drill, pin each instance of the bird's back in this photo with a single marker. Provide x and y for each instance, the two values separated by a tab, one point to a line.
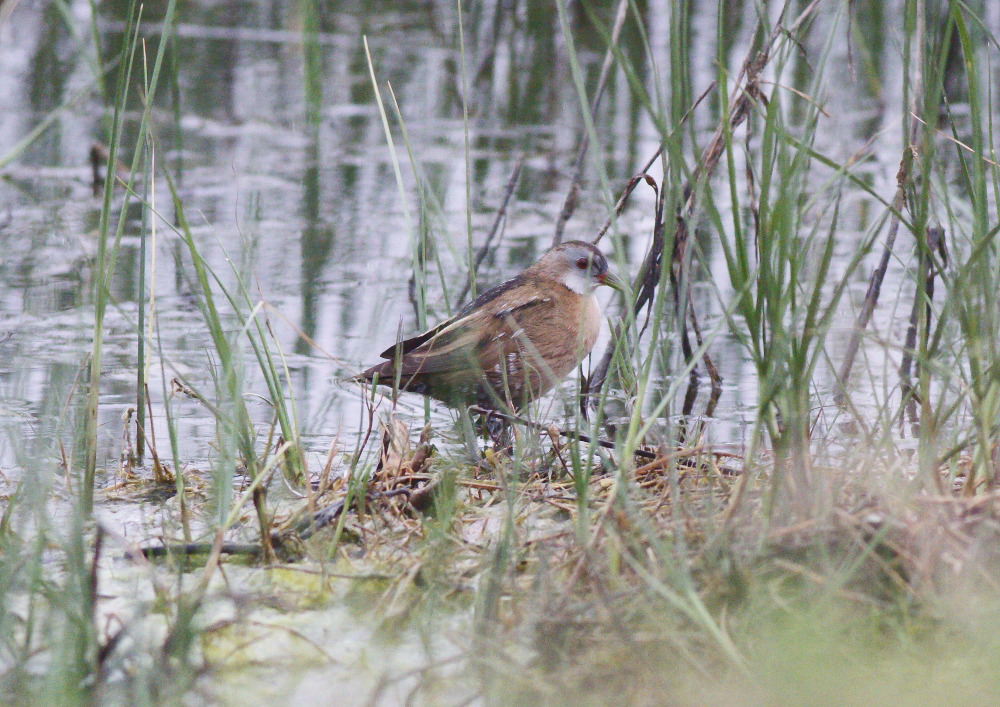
509	347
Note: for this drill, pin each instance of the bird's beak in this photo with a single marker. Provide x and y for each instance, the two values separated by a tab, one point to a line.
611	281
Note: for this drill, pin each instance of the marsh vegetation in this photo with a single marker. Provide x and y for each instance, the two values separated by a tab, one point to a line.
774	481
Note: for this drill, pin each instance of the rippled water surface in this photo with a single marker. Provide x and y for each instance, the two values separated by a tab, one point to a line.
267	120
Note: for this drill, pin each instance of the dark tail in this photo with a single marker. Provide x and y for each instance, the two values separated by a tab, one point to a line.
383	371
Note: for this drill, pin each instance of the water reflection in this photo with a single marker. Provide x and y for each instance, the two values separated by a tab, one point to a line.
313	195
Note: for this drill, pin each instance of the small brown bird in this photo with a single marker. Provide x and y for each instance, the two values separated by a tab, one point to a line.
513	343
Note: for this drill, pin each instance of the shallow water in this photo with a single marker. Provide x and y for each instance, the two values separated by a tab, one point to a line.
306	202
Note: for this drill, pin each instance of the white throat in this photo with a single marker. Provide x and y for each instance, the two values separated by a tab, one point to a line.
579	281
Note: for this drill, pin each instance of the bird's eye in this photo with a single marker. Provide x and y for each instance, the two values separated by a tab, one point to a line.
582	263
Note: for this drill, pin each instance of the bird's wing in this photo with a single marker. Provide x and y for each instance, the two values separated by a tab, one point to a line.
480	339
482	302
407	345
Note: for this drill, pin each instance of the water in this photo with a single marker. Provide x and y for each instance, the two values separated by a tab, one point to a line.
307	205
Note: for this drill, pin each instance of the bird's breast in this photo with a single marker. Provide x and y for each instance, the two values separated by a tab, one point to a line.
591	325
565	337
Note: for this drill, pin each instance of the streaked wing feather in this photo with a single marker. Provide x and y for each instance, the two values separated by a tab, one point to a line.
482	337
482	302
408	345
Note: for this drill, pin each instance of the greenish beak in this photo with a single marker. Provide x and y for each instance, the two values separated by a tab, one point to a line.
613	282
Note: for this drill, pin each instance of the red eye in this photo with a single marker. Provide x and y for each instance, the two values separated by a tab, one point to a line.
582	263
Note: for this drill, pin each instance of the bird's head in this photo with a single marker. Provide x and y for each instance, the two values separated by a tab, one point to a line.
578	265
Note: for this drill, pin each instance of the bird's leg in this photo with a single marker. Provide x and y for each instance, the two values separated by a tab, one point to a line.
500	431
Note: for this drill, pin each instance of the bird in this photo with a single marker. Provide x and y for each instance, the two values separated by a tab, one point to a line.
513	343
